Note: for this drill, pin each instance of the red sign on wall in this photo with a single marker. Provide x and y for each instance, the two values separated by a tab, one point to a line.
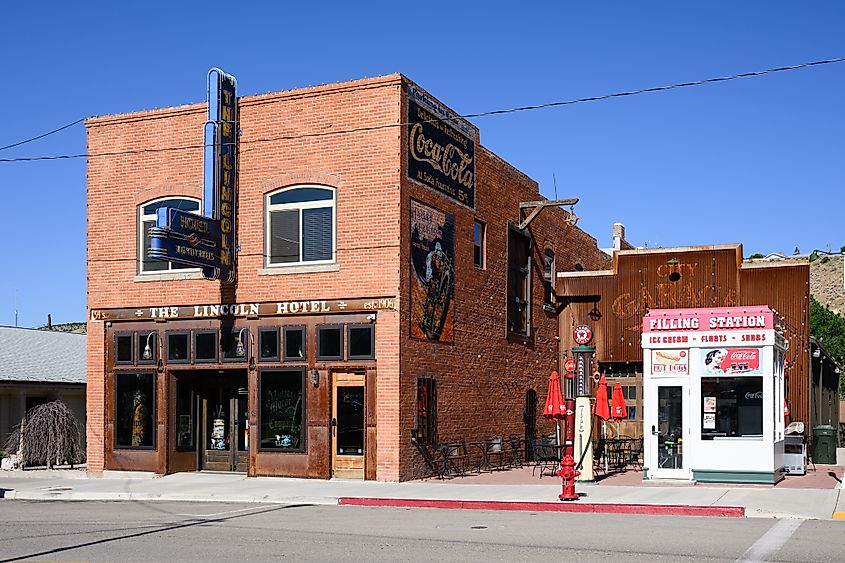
731	360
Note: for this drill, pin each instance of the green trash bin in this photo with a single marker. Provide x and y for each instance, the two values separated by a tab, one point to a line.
824	444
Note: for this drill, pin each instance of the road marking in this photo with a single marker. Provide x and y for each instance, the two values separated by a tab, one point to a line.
771	542
212	515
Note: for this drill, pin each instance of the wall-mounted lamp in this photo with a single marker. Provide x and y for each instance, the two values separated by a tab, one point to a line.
240	351
314	377
148	351
572	219
371	318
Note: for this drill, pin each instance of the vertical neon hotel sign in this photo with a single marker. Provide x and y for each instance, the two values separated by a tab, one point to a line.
208	241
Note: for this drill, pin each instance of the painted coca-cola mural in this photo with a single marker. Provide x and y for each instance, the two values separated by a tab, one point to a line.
744	361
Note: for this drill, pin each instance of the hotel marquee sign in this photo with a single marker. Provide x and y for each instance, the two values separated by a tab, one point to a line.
265	309
208	242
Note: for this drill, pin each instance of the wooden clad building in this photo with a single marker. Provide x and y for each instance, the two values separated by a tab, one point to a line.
614	301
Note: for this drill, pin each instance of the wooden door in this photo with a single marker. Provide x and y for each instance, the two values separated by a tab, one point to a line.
348	436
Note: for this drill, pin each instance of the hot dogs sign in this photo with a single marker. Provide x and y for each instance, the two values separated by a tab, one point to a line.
670	361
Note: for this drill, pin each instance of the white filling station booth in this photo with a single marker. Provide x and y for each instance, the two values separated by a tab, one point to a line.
713	395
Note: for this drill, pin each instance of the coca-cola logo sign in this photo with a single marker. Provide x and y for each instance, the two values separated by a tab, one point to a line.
754	396
731	360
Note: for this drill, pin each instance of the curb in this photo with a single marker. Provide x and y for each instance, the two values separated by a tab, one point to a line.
73	496
609	508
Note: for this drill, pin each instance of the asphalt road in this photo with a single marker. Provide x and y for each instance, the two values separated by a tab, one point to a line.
167	531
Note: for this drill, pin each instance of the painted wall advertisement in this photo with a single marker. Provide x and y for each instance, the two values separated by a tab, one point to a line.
670	361
432	273
441	149
717	361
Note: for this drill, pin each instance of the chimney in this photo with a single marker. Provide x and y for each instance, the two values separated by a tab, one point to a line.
618	235
49	322
619	242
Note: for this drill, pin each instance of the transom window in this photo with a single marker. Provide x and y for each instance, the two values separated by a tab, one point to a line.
146	220
301	226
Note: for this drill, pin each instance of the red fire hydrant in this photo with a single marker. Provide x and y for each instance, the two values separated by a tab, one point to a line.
568	473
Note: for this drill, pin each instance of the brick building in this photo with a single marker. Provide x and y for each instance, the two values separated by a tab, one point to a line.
376	295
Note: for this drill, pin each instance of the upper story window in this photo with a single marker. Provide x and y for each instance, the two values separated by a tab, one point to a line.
479	243
549	279
301	226
519	283
147	219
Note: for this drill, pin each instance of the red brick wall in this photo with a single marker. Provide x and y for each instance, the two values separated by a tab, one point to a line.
300	136
362	165
482	378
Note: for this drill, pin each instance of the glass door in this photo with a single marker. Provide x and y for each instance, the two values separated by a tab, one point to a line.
348	425
225	424
667	435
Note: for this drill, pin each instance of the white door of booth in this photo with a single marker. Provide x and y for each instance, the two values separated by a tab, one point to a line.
665	430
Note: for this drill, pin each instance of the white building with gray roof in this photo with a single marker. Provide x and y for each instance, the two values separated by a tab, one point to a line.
38	366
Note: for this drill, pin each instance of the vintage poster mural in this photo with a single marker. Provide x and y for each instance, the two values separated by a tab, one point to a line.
441	149
432	273
719	361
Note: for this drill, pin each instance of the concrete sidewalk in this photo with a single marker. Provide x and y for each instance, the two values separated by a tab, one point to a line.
824	504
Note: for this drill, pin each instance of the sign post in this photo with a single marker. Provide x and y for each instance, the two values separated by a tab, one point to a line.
583	355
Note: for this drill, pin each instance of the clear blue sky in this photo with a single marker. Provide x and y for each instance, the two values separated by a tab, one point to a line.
757	161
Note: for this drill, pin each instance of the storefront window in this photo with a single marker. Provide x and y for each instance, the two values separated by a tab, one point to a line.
282	409
732	407
134	410
329	343
234	343
268	344
185	421
294	343
177	347
360	342
205	346
123	349
147	347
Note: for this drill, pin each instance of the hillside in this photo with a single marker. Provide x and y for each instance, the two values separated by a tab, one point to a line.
827	283
76	328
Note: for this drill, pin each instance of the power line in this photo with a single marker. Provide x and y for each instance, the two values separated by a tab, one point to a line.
660	88
63	127
403	124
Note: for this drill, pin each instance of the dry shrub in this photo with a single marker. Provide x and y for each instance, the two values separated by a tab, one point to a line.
48	435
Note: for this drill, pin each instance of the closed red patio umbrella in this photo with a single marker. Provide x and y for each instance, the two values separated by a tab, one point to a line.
618	411
602	407
555	408
602	410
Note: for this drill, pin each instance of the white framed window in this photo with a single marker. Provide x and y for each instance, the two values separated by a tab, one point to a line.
146	220
301	226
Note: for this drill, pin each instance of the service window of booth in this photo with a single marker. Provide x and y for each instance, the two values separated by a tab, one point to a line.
732	407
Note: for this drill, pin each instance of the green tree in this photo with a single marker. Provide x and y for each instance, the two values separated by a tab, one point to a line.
829	328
